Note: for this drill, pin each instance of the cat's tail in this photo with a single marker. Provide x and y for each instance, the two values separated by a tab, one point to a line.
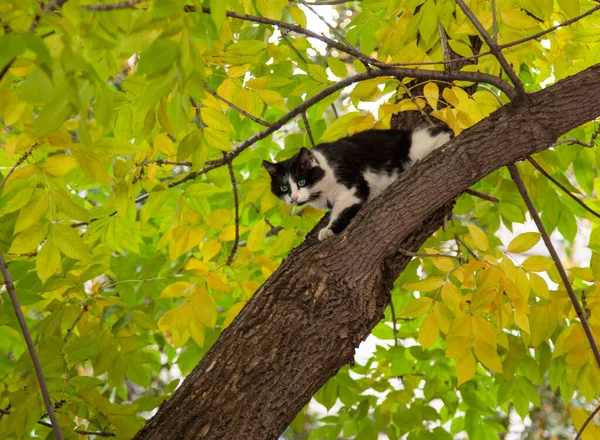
426	139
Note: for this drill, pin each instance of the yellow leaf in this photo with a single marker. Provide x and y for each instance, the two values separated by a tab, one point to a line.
451	297
579	417
180	288
483	331
429	331
197	332
216	139
272	99
479	237
198	268
167	321
47	260
249	287
233	312
578	356
28	240
458	346
164	144
60	164
537	263
204	308
69	242
217	282
337	66
33	211
524	242
248	101
444	264
444	316
465	368
298	15
432	94
284	242
215	119
219	219
461	326
518	19
416	307
360	123
256	238
522	320
426	285
488	356
271	8
210	249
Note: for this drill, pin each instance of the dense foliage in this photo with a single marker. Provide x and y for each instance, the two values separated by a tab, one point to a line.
126	131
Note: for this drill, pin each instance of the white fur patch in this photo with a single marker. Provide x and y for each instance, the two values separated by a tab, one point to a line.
423	143
325	233
378	182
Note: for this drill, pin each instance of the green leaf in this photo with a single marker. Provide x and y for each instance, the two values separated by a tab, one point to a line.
524	242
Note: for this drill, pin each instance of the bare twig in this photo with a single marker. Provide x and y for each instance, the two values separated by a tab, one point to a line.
394	325
161	162
70	331
589	144
19	162
289	43
460	241
495	22
587	422
415	254
335	112
514	172
10	287
481	195
328	2
78	431
237	213
113	6
494	49
308	130
446	50
561	186
235	107
489	89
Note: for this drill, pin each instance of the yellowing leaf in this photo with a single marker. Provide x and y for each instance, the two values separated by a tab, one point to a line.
578	356
67	240
429	331
524	242
479	237
47	260
483	331
488	356
338	67
198	268
298	15
210	249
539	285
204	307
163	144
60	164
537	264
284	242
256	238
416	307
518	19
215	119
426	285
177	289
458	347
451	297
28	240
33	211
522	320
220	218
217	282
465	368
167	321
432	94
271	8
197	332
233	312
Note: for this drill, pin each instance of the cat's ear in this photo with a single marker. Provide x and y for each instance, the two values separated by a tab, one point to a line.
270	167
304	158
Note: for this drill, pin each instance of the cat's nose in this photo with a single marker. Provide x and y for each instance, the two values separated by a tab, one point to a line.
295	197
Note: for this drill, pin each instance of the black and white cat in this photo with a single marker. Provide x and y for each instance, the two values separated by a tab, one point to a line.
344	175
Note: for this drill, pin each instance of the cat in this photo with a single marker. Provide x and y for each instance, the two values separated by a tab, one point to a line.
344	175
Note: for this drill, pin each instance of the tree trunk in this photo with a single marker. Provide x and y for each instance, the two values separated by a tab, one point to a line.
307	319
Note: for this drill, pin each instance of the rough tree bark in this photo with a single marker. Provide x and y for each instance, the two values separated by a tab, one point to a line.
305	322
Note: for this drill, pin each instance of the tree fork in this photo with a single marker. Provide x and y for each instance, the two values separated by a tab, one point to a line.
304	322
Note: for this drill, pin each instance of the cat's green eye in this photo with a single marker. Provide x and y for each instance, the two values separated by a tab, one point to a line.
301	182
284	187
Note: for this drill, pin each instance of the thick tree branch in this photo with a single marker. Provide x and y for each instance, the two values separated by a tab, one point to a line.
304	323
10	287
493	48
514	172
562	187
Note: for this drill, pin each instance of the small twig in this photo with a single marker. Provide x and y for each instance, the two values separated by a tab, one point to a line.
78	431
237	214
587	422
446	50
167	162
415	254
70	331
308	130
561	186
589	144
10	287
495	22
19	162
335	112
328	2
113	6
289	43
489	89
394	326
460	241
494	49
235	107
514	172
481	195
424	115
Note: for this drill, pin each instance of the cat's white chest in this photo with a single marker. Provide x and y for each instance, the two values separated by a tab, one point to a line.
378	181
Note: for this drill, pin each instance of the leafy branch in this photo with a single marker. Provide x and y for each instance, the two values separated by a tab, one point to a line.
78	431
235	107
10	287
514	173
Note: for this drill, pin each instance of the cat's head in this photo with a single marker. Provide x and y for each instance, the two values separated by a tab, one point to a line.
294	180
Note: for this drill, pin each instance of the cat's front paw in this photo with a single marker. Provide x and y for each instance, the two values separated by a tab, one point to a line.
325	233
